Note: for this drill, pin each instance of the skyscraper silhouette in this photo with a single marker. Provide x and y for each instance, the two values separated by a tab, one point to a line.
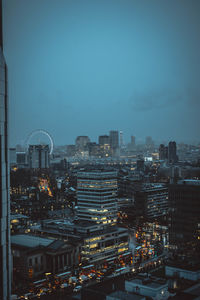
5	263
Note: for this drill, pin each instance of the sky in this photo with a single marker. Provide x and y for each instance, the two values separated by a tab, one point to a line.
85	67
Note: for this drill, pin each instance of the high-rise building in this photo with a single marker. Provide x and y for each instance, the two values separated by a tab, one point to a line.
104	140
12	156
184	199
81	142
21	159
38	156
140	164
149	141
104	144
172	156
5	257
154	198
163	152
114	142
121	141
133	141
96	196
114	139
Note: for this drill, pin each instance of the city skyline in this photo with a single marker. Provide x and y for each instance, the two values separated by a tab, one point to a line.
87	69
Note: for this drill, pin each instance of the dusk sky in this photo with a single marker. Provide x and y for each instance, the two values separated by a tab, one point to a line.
84	67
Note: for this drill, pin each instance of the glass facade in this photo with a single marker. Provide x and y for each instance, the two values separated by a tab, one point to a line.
5	266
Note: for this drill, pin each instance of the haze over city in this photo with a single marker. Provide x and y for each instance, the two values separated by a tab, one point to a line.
87	67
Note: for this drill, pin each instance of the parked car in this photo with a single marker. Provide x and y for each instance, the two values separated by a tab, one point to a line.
77	288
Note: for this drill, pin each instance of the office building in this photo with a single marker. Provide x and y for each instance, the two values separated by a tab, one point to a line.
153	198
114	141
172	156
81	142
71	150
12	156
184	200
21	159
96	196
5	261
149	141
97	245
133	141
38	156
163	152
104	140
104	146
140	164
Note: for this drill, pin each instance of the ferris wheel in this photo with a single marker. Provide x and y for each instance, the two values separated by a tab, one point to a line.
37	133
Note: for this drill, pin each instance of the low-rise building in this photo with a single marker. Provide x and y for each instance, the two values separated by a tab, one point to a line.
97	243
34	256
190	271
122	295
155	288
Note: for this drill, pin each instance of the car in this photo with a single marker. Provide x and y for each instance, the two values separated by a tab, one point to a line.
64	285
73	280
83	278
100	278
92	275
77	288
29	296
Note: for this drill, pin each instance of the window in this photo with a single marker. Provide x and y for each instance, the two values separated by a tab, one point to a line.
30	262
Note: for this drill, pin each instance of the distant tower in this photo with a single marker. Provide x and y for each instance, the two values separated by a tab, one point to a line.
172	156
149	141
133	141
104	139
163	152
121	142
114	141
5	257
81	142
38	156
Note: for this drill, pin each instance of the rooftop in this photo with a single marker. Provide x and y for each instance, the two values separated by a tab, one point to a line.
185	265
18	216
153	283
121	295
189	182
30	241
194	290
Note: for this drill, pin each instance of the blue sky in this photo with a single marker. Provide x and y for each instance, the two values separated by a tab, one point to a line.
86	67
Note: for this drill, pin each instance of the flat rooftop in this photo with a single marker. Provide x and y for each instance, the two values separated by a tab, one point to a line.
189	182
189	266
30	241
122	295
194	290
18	216
148	282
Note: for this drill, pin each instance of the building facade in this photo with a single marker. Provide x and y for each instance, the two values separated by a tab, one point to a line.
184	199
38	156
114	141
154	199
172	156
96	196
5	263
